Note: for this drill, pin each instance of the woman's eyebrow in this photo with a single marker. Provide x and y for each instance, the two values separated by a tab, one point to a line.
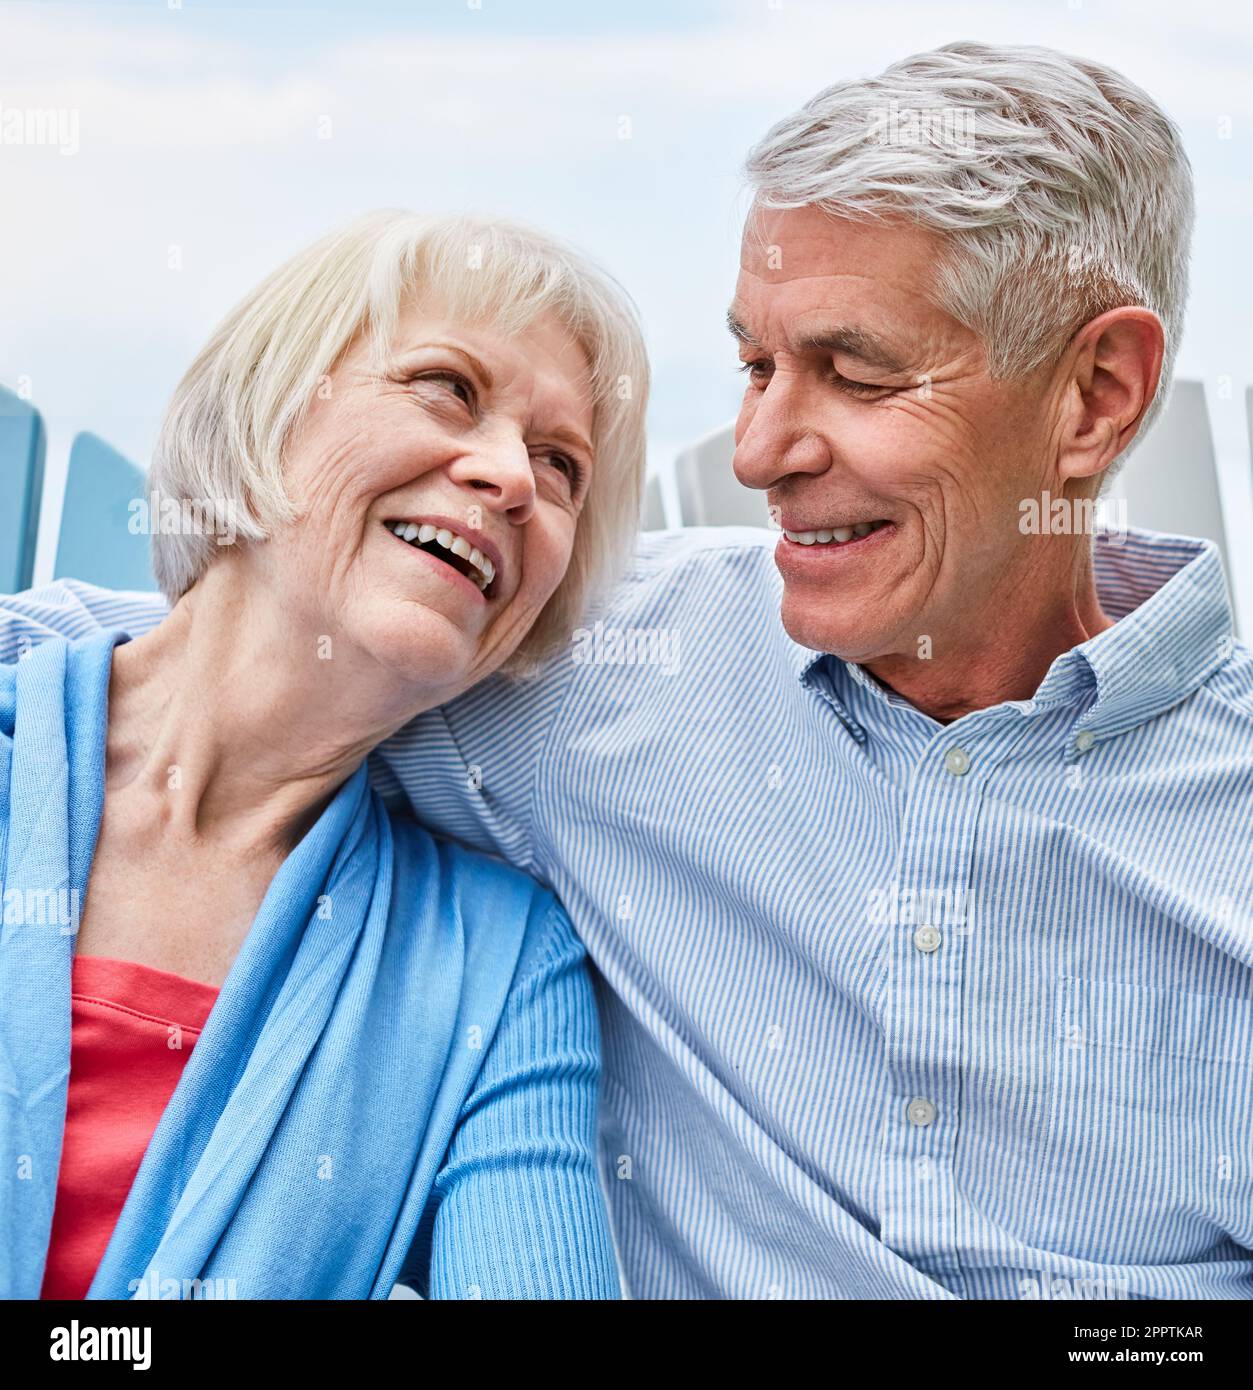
476	363
572	439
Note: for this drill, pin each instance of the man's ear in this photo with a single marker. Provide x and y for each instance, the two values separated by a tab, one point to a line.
1111	367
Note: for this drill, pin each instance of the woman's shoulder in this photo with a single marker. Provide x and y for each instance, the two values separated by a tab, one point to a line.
58	667
507	940
499	907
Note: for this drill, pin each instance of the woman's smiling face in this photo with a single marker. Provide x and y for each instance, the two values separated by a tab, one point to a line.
475	445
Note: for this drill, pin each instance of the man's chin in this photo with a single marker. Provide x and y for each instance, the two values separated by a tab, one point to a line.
849	637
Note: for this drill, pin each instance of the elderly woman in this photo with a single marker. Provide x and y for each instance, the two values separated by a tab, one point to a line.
290	1046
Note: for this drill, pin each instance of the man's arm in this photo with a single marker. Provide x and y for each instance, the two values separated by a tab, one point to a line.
468	768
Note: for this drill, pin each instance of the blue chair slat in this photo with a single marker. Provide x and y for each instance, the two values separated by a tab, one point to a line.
96	543
23	445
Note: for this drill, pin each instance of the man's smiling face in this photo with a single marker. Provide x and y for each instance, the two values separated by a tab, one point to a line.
866	405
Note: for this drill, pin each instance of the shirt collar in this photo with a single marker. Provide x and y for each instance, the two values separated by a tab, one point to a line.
1172	629
1173	626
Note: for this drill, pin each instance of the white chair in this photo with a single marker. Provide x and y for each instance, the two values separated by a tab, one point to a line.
654	513
1169	483
709	494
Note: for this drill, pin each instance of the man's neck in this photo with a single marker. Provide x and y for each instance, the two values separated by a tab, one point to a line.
1001	653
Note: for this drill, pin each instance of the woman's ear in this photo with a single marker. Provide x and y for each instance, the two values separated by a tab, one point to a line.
1112	368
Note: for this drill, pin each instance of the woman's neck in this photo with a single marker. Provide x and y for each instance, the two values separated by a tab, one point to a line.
229	724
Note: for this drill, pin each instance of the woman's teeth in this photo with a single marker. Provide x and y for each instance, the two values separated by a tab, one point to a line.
425	536
839	534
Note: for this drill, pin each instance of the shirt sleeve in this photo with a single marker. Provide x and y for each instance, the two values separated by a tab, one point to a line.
468	768
517	1211
70	608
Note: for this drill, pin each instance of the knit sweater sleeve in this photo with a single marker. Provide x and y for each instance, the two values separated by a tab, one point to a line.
517	1211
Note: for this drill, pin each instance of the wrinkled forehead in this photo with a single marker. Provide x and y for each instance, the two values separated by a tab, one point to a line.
785	244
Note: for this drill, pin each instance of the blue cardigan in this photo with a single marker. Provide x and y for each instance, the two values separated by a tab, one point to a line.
397	1081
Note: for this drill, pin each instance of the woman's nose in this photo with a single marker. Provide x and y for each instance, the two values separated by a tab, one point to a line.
502	473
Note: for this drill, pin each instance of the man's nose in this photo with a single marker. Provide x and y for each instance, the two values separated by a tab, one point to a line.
501	472
776	435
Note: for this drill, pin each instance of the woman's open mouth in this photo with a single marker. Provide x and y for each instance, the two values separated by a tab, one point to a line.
452	549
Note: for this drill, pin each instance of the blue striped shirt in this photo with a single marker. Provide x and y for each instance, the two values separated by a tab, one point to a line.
890	1008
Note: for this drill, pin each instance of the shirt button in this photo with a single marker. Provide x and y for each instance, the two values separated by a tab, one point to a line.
1084	741
927	939
921	1112
957	760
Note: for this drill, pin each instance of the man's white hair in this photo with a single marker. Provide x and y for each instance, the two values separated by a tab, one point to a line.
1061	189
235	410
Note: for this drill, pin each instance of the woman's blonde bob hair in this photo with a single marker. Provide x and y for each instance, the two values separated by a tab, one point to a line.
235	410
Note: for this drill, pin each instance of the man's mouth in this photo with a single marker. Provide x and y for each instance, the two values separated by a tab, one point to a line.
835	535
453	549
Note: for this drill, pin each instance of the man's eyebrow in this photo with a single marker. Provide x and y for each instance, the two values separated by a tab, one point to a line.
851	341
846	339
739	331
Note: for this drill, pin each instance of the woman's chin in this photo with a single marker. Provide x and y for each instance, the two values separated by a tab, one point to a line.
425	646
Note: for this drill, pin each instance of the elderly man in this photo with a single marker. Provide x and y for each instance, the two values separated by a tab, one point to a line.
921	915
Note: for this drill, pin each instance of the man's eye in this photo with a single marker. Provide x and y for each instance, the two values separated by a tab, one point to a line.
455	382
862	389
758	370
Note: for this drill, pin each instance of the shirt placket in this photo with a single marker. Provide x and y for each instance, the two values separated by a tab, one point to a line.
927	939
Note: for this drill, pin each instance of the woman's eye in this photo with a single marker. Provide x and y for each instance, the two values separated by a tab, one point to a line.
568	466
456	383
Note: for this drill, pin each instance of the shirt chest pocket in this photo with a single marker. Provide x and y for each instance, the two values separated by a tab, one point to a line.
1148	1151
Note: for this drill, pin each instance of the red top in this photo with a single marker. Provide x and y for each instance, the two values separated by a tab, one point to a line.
133	1029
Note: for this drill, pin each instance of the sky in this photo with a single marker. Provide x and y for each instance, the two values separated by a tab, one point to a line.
213	140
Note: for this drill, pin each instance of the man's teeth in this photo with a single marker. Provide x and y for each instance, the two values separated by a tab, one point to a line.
423	534
839	534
